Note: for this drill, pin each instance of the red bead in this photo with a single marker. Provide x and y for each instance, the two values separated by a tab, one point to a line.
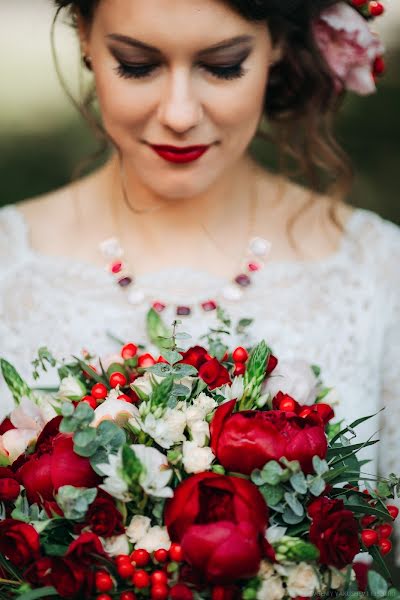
121	558
99	391
125	569
159	592
90	400
116	267
183	311
393	511
376	8
125	398
243	280
240	369
161	555
175	553
140	557
369	537
104	583
240	354
209	305
125	281
180	591
253	266
384	546
159	306
127	596
379	66
146	360
159	577
103	597
367	520
129	351
118	379
141	579
385	530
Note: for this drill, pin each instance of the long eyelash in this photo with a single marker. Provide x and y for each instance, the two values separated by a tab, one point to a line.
142	71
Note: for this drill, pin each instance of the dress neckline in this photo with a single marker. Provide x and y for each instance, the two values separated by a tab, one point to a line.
348	236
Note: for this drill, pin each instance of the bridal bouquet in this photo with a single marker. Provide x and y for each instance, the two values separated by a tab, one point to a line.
197	474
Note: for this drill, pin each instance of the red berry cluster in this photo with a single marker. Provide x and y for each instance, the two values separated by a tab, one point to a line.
368	8
240	357
378	534
144	573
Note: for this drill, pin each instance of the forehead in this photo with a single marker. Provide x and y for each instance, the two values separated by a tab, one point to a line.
191	23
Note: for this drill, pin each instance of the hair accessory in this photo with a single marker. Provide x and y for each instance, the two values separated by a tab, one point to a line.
87	61
352	51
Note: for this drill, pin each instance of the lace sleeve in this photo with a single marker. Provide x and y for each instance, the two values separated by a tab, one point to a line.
13	239
389	453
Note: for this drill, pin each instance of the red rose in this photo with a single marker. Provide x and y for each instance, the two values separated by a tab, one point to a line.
84	548
71	579
9	485
195	356
19	542
220	522
247	440
103	518
53	465
334	530
214	374
39	573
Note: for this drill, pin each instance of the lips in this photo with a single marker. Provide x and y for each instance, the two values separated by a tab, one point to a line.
177	154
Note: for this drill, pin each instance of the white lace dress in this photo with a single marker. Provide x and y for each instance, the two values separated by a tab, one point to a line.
342	313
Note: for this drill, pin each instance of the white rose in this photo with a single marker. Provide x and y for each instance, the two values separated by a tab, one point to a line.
113	410
271	589
154	539
295	378
114	483
195	459
118	544
234	391
138	527
200	431
144	383
156	473
302	581
15	442
166	430
71	389
201	407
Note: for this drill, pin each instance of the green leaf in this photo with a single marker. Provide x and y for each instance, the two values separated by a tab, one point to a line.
377	585
299	483
160	369
182	370
320	466
294	504
379	562
290	517
67	409
181	335
317	486
171	356
369	510
257	477
272	472
354	424
39	593
17	386
272	494
158	333
106	431
86	437
88	369
132	467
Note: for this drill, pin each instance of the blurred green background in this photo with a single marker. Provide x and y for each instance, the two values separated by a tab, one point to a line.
43	138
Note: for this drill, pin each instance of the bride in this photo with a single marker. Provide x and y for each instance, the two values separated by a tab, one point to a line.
182	217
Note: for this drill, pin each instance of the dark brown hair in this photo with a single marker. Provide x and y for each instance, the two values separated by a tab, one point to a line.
300	100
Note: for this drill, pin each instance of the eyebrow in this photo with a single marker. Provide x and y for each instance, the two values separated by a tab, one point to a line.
224	44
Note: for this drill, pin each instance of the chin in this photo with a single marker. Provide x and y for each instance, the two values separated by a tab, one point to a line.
179	185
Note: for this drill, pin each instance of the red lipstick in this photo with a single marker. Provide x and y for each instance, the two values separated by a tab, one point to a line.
180	155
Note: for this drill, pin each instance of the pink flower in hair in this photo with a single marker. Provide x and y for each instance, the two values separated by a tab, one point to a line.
349	46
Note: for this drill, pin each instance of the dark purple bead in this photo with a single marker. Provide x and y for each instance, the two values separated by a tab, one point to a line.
125	281
183	311
243	280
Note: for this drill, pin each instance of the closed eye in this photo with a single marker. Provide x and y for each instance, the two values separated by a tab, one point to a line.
140	71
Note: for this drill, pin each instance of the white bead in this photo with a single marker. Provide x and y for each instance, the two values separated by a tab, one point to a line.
111	248
260	246
136	296
232	292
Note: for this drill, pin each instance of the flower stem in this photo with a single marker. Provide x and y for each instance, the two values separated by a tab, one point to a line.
10	581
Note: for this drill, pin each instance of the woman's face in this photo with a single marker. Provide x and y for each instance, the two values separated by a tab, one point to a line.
178	73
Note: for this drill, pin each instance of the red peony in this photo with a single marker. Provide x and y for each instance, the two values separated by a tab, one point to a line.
19	542
220	522
324	411
9	485
247	440
53	465
103	517
214	374
71	579
195	356
334	530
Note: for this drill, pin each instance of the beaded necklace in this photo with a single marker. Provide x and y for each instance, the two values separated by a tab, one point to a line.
253	260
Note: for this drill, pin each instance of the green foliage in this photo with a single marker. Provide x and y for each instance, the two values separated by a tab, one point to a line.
157	332
75	502
254	376
17	386
44	356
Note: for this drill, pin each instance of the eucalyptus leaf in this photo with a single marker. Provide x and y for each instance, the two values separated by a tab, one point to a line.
67	409
182	335
290	517
171	356
183	370
271	472
106	430
88	450
317	486
257	477
160	369
299	483
273	494
83	438
320	466
377	585
294	504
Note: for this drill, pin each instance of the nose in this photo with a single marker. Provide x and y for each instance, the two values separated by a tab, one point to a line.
179	109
